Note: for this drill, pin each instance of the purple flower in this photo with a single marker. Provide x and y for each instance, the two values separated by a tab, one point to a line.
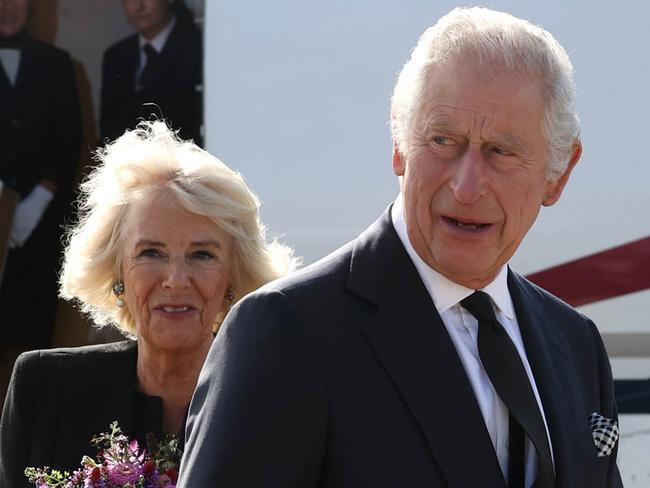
123	473
76	479
165	482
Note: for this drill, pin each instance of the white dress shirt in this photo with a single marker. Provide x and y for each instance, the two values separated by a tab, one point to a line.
10	59
158	43
463	331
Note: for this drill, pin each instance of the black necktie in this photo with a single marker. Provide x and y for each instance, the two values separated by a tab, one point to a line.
147	72
503	365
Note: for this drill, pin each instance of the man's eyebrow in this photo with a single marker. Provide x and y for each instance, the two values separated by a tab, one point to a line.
510	140
438	121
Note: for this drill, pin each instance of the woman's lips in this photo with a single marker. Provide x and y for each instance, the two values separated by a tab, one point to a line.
175	311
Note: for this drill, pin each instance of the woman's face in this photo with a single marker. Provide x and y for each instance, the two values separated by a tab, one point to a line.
176	270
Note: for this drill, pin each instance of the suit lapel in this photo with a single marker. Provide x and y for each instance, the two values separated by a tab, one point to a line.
552	366
412	343
5	84
130	61
29	72
23	73
172	52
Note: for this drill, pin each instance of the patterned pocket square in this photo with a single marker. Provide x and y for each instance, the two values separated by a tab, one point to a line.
605	433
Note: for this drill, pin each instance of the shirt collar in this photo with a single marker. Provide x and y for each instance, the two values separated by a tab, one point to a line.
444	292
158	42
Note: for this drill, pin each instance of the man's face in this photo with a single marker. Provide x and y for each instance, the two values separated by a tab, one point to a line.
13	16
475	175
148	17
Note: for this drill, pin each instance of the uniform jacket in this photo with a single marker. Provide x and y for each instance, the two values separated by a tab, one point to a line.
40	136
40	124
174	90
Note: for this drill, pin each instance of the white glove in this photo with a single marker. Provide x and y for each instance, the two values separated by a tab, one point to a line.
29	212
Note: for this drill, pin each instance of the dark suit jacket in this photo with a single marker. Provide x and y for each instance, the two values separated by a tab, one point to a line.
343	375
58	400
175	86
40	136
40	120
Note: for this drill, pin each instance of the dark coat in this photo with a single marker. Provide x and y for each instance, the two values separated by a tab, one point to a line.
58	400
175	87
343	375
40	136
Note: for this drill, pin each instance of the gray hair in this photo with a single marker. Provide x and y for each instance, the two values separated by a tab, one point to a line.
493	41
151	159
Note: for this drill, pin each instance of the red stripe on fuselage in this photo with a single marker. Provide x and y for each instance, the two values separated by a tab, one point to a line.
607	274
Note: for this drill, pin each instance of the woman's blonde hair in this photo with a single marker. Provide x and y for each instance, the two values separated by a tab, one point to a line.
148	159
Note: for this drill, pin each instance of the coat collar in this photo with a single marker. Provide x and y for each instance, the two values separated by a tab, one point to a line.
412	343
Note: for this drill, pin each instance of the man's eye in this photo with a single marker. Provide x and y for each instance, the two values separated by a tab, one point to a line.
501	151
443	141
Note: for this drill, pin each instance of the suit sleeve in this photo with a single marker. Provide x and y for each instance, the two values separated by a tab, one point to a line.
607	404
17	422
258	415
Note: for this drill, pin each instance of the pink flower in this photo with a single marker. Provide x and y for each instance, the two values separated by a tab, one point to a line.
133	447
123	473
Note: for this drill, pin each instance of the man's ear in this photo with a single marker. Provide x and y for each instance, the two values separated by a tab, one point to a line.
554	188
399	164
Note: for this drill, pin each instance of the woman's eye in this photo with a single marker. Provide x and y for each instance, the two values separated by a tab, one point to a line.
203	255
150	253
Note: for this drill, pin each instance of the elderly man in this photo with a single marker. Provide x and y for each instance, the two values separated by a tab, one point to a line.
414	357
158	70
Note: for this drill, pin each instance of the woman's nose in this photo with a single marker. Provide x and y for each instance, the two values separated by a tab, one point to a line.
177	275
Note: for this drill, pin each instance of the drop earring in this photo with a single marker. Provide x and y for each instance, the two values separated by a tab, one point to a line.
230	295
118	291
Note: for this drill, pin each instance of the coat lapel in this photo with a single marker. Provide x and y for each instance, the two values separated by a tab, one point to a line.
86	408
552	366
5	84
412	343
174	50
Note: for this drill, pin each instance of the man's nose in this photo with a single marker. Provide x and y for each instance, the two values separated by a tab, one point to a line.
176	274
468	180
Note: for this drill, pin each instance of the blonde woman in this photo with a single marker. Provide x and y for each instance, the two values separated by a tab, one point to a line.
169	238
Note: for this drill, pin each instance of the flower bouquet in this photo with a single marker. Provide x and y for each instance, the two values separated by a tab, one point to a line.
119	464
